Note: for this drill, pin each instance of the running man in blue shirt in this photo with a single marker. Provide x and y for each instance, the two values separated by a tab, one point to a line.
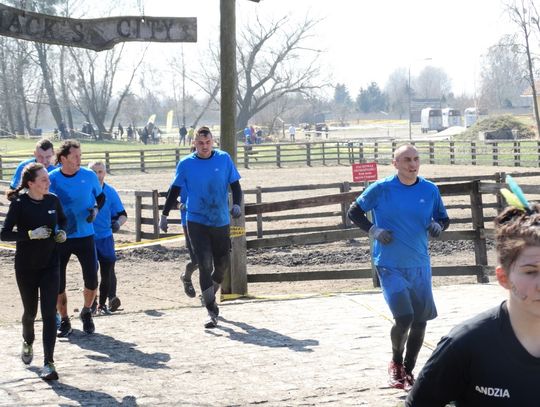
110	218
406	209
81	196
43	154
206	175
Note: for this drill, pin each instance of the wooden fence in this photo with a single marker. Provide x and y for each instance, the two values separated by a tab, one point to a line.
475	202
519	153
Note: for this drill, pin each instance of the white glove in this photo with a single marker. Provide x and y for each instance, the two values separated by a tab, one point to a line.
236	211
43	232
434	229
60	236
382	235
163	223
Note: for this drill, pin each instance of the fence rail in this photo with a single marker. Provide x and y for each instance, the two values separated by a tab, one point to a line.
519	153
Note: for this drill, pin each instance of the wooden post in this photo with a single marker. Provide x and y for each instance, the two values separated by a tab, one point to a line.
143	169
345	187
473	153
394	147
537	160
308	154
375	151
246	157
258	197
480	247
517	155
278	155
339	157
155	212
361	152
452	153
495	150
238	274
2	168
501	180
323	154
176	155
107	163
138	217
431	152
350	150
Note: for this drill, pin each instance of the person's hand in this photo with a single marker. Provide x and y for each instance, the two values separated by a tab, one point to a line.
163	223
382	235
92	214
236	211
43	232
115	226
434	229
60	236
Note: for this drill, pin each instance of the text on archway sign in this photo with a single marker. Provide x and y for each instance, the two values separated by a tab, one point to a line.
97	34
364	172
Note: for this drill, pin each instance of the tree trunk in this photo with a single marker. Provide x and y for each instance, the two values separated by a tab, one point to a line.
48	83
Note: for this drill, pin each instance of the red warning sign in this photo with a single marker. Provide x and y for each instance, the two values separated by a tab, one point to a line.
364	172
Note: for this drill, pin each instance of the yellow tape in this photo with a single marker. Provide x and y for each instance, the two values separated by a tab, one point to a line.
237	231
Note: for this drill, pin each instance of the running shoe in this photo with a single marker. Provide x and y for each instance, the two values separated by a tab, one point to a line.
396	375
103	310
114	304
212	320
65	328
408	381
188	286
27	353
88	322
48	372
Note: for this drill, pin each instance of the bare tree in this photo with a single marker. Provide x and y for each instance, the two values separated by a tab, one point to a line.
525	15
274	62
432	83
396	90
503	74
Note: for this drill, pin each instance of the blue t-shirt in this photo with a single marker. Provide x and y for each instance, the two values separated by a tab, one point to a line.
18	172
206	182
77	194
110	209
407	211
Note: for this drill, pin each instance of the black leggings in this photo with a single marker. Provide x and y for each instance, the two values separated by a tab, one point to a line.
212	248
46	282
410	334
106	270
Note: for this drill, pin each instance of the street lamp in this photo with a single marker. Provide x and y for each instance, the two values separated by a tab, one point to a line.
409	93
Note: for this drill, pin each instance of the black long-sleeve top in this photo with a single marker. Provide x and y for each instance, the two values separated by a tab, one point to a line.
28	214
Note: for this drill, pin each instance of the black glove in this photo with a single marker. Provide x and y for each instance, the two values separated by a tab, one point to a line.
115	226
92	214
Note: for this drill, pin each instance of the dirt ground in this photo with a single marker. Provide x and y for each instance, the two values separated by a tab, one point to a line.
148	277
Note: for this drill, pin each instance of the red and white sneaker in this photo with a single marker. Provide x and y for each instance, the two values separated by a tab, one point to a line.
396	375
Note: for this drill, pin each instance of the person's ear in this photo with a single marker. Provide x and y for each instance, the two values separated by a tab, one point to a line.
502	277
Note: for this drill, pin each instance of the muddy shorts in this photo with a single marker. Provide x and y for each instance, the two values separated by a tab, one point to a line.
407	291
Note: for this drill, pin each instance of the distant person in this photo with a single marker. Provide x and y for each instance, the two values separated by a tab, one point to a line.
43	154
493	359
406	209
130	132
247	135
292	133
144	135
81	195
206	176
190	134
183	132
120	130
63	130
109	220
39	220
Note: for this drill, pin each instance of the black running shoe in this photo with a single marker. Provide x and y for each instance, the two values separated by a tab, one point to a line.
48	372
212	320
27	353
188	286
94	306
65	328
114	304
88	323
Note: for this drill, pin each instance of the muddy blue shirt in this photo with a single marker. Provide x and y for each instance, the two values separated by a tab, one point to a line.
206	182
18	172
407	211
110	209
77	194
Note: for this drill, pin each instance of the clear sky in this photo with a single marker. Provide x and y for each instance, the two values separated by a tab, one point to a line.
366	40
